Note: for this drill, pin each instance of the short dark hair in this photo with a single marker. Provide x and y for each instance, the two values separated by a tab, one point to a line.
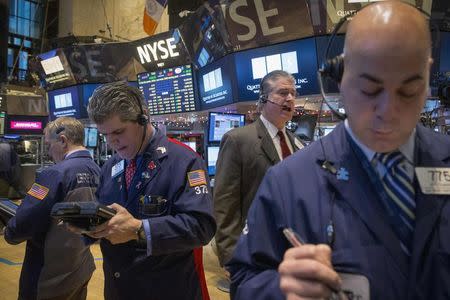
116	98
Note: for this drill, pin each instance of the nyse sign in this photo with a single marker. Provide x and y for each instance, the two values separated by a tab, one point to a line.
163	50
255	23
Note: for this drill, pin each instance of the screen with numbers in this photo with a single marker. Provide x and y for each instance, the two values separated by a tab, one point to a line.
169	90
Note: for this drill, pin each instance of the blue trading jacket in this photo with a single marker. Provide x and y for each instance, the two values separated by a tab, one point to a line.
297	193
183	223
56	261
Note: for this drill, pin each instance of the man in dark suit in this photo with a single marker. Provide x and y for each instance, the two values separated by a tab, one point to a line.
367	199
245	155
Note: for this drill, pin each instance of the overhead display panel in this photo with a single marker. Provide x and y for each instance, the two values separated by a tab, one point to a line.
216	83
64	102
27	125
169	90
53	69
297	58
205	36
253	23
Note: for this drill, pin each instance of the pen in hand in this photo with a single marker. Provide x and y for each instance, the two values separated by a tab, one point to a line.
296	241
293	237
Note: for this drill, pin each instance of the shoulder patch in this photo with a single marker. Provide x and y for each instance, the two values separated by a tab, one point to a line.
196	178
38	191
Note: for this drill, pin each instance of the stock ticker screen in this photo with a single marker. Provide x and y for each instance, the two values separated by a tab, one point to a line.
169	90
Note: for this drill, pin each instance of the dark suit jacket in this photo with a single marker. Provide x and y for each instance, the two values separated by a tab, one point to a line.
244	157
298	193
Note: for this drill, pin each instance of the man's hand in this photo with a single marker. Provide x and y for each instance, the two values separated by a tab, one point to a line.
119	229
306	272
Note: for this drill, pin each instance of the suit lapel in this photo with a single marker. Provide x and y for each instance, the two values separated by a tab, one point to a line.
359	192
266	142
428	207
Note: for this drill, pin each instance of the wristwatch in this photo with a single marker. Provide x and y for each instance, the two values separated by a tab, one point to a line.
141	237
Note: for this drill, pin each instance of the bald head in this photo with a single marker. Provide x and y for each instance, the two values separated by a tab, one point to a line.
388	28
387	60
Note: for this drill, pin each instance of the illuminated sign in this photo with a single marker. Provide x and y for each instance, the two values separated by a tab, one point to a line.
266	64
158	50
212	80
52	65
163	50
20	125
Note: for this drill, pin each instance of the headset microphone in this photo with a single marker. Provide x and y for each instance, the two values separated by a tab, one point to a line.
264	99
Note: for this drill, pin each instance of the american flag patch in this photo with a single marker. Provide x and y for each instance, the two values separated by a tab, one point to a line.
196	178
38	191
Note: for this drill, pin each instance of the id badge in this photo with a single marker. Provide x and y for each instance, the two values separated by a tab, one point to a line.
354	287
118	169
434	181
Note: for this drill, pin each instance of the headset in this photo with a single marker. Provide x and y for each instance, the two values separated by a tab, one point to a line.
142	119
333	68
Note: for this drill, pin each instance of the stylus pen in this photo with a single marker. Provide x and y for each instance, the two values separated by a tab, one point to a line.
293	237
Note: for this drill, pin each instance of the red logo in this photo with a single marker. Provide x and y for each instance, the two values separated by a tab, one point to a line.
151	165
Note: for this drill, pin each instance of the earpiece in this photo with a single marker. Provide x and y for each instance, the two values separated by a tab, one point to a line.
333	68
142	119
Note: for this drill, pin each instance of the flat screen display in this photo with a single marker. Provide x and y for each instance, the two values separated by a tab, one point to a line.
213	153
64	103
215	83
297	58
90	137
221	123
25	125
169	90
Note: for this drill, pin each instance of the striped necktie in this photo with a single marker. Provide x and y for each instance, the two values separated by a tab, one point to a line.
400	191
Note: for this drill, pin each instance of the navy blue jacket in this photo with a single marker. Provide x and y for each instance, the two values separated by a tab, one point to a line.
185	222
56	261
297	193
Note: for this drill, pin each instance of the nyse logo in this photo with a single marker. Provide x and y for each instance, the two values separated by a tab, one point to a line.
263	16
283	61
158	50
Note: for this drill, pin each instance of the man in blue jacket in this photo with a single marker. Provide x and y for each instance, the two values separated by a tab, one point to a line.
371	203
57	264
164	208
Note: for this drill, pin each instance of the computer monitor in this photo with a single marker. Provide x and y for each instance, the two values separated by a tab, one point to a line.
212	154
168	90
221	123
90	137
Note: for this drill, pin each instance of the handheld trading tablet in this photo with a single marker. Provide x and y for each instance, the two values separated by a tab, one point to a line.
7	208
84	215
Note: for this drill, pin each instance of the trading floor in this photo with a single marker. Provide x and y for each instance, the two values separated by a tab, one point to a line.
11	258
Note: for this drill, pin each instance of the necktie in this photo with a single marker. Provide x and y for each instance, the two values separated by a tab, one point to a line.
400	191
129	172
285	152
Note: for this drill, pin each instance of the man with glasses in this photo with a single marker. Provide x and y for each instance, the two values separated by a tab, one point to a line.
57	263
245	155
